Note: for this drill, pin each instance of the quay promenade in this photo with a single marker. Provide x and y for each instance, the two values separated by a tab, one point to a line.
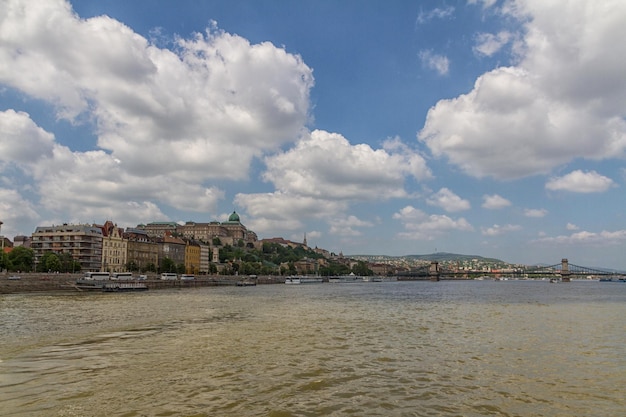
44	282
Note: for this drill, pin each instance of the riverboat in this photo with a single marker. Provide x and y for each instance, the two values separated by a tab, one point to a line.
303	280
345	279
109	286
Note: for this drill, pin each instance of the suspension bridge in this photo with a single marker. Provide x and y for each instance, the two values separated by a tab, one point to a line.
563	270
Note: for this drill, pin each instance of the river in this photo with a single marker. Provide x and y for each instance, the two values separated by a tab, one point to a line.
449	348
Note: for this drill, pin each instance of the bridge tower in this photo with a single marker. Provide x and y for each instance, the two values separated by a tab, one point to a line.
433	271
565	272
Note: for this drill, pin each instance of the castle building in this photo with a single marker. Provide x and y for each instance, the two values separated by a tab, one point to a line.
229	232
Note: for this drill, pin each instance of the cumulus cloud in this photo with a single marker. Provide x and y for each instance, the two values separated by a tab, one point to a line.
563	100
90	186
323	174
421	226
497	230
157	110
580	182
346	226
535	212
325	165
438	63
166	121
604	238
571	226
448	201
9	200
495	202
488	44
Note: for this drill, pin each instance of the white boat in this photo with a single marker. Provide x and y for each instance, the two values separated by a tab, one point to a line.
303	280
345	279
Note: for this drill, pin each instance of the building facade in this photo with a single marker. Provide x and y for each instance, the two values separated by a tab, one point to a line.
142	250
114	248
82	242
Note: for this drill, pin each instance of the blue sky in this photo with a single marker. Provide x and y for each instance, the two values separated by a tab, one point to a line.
494	128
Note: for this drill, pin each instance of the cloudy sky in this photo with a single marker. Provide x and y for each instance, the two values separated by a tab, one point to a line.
485	127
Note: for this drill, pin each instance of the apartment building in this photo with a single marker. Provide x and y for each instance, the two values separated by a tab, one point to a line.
82	242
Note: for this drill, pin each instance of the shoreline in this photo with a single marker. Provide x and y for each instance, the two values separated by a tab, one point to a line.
45	283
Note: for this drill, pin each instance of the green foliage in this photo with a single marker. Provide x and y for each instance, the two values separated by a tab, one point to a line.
4	261
361	269
21	259
167	265
55	262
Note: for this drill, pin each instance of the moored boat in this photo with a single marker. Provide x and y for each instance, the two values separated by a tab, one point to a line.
109	286
303	280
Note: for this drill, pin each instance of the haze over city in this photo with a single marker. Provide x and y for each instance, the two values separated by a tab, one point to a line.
494	128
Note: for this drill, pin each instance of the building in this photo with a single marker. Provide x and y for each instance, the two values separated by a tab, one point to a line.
229	232
22	241
82	242
158	229
205	254
192	257
114	248
172	248
142	251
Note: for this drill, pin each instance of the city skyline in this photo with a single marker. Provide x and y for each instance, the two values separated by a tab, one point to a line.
482	127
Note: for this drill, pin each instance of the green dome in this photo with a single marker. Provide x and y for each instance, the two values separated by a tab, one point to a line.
234	217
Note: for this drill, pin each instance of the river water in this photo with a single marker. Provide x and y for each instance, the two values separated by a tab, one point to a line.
449	348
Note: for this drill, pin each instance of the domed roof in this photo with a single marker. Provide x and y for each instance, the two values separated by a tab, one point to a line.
234	217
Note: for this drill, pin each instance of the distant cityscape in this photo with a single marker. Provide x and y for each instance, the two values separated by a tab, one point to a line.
211	248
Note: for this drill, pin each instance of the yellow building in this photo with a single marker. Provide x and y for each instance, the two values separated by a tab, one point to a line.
114	248
192	257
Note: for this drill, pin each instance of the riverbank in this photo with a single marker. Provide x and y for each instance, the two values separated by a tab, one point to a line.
38	282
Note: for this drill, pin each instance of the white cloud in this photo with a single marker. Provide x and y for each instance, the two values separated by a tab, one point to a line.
580	182
420	226
325	165
497	230
604	238
571	226
192	111
12	217
168	121
487	44
436	13
535	212
448	201
495	202
564	100
485	3
347	226
438	63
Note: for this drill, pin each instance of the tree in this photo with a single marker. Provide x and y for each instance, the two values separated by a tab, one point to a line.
361	269
49	262
168	265
4	261
22	259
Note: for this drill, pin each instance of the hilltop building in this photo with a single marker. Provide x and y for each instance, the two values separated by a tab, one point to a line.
229	232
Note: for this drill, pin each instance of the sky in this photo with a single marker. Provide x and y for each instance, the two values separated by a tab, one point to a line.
482	127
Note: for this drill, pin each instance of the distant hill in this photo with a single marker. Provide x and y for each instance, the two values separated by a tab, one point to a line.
438	256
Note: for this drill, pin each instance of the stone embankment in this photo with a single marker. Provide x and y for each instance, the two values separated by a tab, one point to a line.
38	282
